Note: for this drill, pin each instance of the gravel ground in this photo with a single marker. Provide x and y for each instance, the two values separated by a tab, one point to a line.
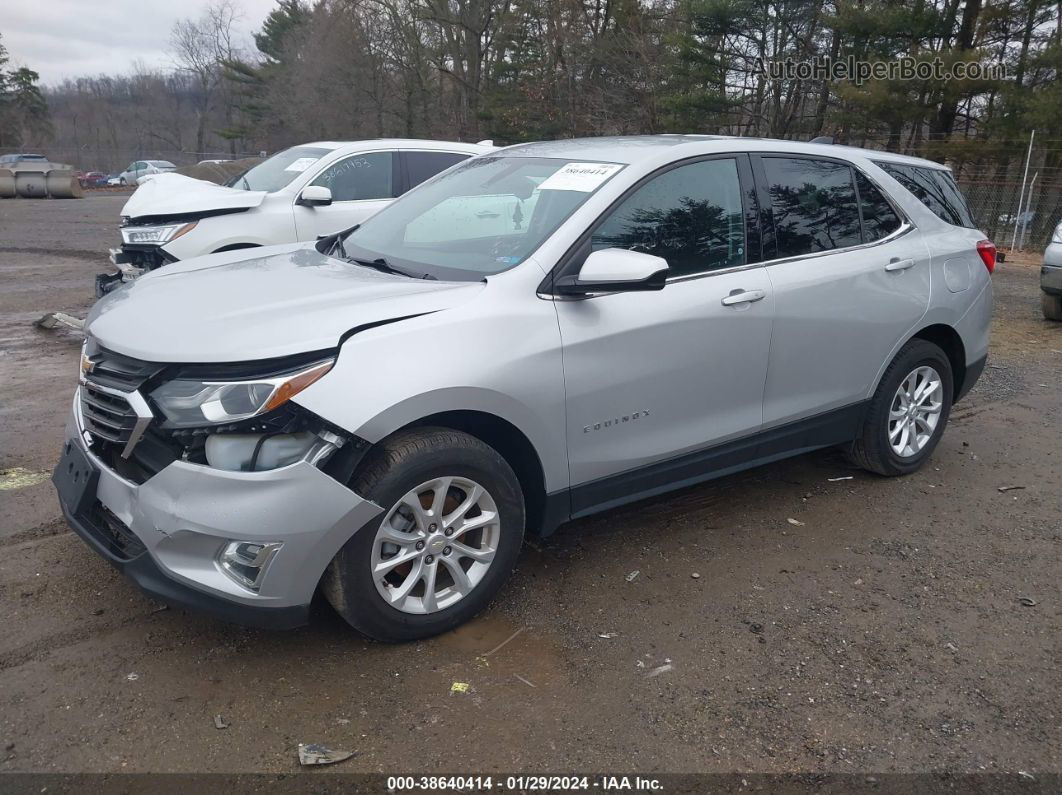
904	625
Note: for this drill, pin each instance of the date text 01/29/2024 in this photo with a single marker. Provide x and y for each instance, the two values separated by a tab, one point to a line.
525	783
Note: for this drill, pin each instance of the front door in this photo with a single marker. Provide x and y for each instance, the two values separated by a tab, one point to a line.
361	186
654	379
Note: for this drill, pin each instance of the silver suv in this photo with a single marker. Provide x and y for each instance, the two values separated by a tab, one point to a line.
1051	277
536	334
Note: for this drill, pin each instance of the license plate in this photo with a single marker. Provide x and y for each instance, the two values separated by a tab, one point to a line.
75	478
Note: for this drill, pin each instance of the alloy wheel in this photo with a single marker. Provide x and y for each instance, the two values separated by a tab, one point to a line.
435	545
915	411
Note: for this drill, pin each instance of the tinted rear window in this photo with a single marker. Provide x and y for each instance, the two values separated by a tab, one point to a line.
425	165
879	219
813	203
936	189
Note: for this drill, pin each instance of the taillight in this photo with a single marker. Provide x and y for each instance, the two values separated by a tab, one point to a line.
986	250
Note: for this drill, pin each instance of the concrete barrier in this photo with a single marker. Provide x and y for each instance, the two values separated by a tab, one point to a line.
39	181
31	184
62	184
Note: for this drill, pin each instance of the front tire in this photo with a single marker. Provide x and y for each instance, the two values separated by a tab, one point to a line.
449	537
908	412
1051	306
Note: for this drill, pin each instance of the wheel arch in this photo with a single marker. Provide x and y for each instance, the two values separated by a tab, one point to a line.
948	340
512	445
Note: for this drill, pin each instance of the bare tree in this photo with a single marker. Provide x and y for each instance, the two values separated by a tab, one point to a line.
200	48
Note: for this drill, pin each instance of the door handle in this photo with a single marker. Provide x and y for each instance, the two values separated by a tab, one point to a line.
743	297
487	214
899	264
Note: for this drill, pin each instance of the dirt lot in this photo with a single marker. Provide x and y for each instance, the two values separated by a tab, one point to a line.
885	632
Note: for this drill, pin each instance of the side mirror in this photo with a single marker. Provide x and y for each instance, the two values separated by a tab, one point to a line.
315	196
615	270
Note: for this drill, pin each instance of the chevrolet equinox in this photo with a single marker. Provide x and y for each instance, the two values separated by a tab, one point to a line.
537	334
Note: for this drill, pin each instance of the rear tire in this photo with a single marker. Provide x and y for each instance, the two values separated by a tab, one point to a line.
423	478
1051	306
910	373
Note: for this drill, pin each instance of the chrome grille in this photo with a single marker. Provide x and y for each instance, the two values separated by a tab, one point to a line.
112	410
106	415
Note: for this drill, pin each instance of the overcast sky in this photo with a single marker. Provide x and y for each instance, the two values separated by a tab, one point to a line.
71	38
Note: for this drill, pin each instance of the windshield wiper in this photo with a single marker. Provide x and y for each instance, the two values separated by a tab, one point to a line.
384	266
379	264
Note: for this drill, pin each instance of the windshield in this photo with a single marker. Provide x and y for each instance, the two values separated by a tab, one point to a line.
276	172
478	218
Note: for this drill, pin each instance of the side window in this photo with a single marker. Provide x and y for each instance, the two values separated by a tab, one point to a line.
813	203
425	165
936	189
360	177
879	219
691	216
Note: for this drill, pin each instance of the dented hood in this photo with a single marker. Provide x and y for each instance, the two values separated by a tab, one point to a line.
239	306
175	194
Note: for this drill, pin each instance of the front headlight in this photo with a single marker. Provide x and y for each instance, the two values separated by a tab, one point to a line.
140	235
189	403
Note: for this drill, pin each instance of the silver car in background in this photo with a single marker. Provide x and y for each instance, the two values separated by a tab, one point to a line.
139	169
537	334
1051	277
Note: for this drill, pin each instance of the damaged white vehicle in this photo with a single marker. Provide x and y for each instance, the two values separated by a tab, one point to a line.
298	194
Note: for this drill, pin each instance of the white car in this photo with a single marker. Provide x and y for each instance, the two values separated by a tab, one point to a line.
139	169
296	195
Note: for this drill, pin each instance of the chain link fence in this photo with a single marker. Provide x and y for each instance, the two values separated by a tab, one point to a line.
995	207
113	160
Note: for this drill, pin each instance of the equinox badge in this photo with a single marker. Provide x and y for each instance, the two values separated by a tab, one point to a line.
597	426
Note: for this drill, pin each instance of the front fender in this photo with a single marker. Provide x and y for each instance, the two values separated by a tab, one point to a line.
489	355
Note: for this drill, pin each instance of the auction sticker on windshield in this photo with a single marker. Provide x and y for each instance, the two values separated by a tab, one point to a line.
583	177
301	164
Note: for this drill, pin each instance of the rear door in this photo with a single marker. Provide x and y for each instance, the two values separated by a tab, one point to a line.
361	185
851	279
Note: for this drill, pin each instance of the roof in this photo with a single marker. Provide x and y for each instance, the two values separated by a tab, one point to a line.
612	149
632	148
400	143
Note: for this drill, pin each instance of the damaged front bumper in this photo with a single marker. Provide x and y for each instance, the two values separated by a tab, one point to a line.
169	533
131	261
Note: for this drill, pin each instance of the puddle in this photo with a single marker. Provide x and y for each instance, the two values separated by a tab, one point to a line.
20	478
479	636
491	652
